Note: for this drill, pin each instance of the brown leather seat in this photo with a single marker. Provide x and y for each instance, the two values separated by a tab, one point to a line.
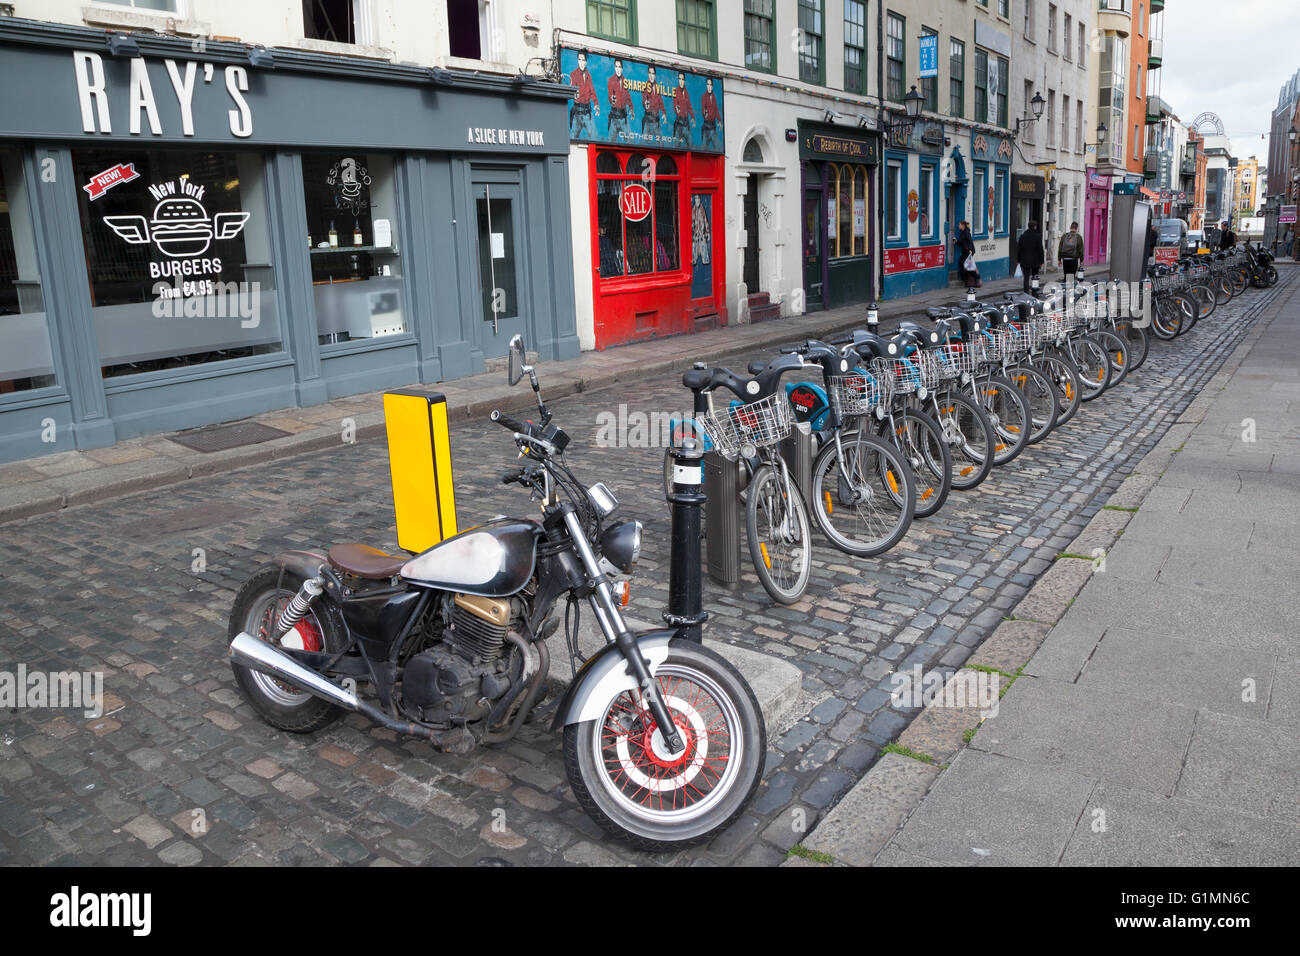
363	561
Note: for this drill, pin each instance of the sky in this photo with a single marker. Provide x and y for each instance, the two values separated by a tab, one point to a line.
1230	59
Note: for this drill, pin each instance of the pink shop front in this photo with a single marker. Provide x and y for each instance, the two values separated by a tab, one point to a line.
1096	217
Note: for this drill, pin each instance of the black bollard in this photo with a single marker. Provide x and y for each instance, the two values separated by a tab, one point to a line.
685	590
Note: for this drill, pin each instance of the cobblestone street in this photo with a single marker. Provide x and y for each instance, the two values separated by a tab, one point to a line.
179	770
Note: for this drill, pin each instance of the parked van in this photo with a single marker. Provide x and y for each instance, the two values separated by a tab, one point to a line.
1173	232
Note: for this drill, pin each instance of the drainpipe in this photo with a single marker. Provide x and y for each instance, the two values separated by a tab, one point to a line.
882	170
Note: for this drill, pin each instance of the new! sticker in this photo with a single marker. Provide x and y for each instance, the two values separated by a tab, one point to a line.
101	183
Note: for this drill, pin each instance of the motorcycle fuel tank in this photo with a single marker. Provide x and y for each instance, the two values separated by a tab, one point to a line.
495	559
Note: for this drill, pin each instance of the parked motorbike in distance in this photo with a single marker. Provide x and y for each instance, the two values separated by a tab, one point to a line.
453	644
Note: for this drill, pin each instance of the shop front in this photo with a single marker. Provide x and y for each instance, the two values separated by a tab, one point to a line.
915	247
1027	194
197	239
1097	217
990	219
838	173
653	143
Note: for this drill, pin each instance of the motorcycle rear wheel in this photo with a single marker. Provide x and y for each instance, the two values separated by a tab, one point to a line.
256	608
658	802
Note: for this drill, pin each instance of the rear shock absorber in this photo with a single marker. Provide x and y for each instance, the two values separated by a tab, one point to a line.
297	609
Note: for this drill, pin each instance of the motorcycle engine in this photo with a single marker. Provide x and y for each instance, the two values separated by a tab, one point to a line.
458	679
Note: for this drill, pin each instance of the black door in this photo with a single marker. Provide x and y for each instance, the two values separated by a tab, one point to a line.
751	232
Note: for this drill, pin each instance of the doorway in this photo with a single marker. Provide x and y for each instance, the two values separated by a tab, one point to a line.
751	272
814	240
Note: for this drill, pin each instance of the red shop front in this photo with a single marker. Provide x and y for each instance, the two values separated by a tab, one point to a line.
656	231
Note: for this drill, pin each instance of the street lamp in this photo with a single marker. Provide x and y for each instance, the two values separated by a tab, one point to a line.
900	130
1036	108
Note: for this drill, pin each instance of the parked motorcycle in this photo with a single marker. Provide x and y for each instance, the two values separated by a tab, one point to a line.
453	643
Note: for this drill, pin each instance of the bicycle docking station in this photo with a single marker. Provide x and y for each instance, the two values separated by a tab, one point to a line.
685	587
722	518
798	451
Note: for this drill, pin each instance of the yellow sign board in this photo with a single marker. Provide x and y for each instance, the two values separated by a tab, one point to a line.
419	460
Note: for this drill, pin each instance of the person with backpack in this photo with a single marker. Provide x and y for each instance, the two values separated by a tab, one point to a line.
1029	251
1070	251
1227	238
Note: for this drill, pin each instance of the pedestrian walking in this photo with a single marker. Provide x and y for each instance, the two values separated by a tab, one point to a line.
966	269
1029	251
1227	238
1288	239
1070	251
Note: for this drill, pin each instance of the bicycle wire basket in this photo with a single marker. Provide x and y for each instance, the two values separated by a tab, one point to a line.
958	358
908	374
859	394
761	423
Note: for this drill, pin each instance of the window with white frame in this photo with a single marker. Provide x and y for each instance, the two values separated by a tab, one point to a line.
1000	202
894	200
1051	27
928	222
979	202
1029	19
1065	123
1051	118
348	21
1067	34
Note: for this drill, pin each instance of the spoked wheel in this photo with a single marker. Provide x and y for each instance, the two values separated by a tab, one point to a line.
626	780
1221	286
1166	318
1270	274
1239	281
1008	412
1203	297
1093	365
1117	355
257	608
921	444
1189	311
864	494
969	434
1040	396
1137	341
779	536
1064	377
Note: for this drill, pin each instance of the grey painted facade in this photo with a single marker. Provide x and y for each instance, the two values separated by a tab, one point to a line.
443	150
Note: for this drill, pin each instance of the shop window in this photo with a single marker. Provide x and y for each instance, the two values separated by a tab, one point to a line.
637	214
928	194
612	19
760	35
25	359
979	202
178	257
855	46
846	209
495	208
333	20
1000	203
356	269
695	28
894	200
812	41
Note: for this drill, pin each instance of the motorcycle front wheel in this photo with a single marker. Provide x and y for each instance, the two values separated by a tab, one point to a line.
626	781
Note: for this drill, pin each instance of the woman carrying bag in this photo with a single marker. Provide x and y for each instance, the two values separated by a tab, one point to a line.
967	271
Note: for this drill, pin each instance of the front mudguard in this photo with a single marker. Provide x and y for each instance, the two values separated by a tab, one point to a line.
605	675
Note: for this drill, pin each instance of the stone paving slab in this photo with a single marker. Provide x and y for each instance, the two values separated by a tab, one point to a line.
991	810
1092	730
865	820
1125	827
1249	765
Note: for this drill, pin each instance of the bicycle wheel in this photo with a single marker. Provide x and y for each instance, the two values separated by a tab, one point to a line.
863	493
1166	318
1137	341
1116	354
1222	288
969	434
921	444
1064	377
1040	396
1188	309
1094	367
1239	280
776	523
1204	299
1008	412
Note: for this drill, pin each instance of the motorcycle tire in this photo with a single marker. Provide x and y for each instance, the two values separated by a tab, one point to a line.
1270	275
661	803
256	608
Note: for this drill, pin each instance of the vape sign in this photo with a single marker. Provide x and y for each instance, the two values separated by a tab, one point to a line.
635	203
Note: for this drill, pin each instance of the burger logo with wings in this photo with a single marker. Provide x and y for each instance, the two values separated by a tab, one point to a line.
180	226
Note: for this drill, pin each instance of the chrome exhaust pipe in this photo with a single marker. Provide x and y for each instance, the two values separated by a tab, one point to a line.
264	658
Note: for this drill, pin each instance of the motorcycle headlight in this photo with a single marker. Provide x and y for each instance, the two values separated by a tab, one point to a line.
620	545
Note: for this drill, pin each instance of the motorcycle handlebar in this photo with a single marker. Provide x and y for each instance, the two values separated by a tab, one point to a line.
505	421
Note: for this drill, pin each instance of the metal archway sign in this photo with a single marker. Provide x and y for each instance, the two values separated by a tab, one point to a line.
1210	120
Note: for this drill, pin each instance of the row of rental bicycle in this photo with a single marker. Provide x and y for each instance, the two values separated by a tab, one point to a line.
900	420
